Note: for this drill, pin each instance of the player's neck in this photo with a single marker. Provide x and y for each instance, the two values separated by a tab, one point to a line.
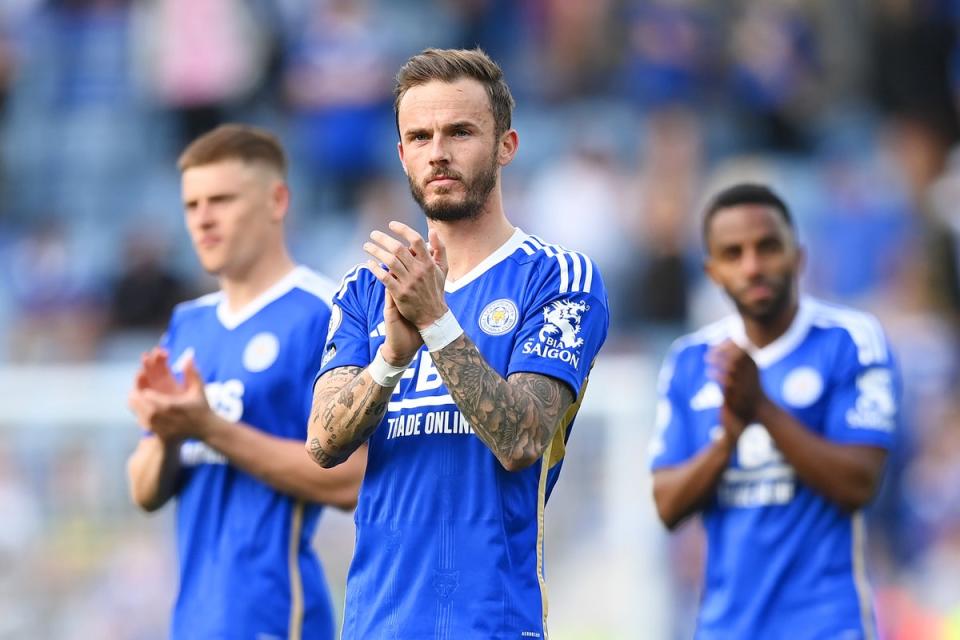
241	289
764	333
470	242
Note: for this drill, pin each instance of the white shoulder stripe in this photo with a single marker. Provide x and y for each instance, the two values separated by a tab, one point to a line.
575	275
577	270
318	285
588	280
350	276
863	328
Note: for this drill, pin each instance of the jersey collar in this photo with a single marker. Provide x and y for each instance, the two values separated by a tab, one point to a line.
233	319
502	252
782	346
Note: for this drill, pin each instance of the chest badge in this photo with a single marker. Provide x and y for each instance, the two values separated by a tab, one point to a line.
499	317
802	387
261	352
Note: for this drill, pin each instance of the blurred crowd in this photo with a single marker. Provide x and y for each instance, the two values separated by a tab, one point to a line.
630	113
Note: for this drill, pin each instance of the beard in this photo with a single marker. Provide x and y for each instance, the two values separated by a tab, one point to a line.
443	208
767	311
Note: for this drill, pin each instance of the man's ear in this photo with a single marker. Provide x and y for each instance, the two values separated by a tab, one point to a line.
400	154
507	147
709	268
280	200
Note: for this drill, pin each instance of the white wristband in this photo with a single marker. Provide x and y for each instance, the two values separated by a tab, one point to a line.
384	373
442	332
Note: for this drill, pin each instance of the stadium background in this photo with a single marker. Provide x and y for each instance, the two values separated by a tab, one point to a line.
629	113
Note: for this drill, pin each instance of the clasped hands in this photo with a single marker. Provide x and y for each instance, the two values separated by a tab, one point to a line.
174	411
413	274
739	379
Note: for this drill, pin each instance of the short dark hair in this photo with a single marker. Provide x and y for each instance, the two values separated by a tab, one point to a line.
744	193
449	65
235	142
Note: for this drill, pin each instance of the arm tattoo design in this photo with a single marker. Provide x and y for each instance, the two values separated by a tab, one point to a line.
348	409
516	418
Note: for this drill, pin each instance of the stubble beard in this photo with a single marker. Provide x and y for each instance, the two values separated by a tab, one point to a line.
445	209
772	311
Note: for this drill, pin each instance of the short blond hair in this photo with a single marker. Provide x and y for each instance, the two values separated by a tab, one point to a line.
235	142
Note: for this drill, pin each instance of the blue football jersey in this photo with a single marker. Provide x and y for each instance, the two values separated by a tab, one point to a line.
247	569
449	544
782	561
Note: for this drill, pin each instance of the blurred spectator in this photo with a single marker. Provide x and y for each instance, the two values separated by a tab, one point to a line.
668	54
857	232
912	47
578	200
663	232
337	85
774	72
579	47
58	318
200	58
145	291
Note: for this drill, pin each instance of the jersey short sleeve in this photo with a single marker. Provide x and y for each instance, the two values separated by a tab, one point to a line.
563	324
348	341
864	405
671	443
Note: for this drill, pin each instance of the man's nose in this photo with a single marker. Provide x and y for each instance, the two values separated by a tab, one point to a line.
439	150
751	263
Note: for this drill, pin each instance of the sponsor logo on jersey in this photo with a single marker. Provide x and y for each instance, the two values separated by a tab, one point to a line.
261	352
328	355
194	452
709	397
876	407
181	362
226	399
761	477
559	337
499	317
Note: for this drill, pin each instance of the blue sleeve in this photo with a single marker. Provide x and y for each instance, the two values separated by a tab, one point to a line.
348	334
864	404
671	443
562	329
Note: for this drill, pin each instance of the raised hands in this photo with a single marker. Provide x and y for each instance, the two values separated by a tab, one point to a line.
738	377
170	409
414	278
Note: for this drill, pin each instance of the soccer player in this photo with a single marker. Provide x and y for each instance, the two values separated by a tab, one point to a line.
774	424
463	362
226	420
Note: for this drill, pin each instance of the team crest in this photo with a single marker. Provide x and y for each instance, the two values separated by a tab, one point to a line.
261	352
499	317
445	582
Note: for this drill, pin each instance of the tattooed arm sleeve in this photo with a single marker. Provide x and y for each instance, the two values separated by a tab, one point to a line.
347	407
515	417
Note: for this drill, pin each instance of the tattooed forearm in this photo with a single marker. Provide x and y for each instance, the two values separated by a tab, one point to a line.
516	418
347	407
